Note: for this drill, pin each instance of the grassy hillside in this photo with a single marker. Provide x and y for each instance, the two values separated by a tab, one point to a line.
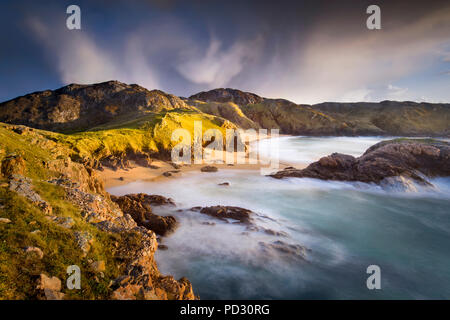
151	134
227	110
392	118
19	269
55	213
291	118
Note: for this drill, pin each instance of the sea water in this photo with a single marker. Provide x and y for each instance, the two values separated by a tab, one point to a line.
346	227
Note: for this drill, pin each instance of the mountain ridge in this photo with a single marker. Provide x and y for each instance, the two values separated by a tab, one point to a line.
77	107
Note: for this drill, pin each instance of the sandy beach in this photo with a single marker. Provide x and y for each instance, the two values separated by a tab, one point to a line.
113	178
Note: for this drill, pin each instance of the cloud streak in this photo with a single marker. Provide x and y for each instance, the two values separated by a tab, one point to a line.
331	57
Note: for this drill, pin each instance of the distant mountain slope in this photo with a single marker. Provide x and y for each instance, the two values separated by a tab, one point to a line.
249	110
78	107
392	117
227	95
227	110
384	118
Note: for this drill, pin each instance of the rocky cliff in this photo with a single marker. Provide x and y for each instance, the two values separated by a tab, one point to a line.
55	213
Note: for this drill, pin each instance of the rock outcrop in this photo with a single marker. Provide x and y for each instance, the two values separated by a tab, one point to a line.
138	206
407	158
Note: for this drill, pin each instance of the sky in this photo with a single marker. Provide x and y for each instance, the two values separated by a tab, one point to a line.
304	51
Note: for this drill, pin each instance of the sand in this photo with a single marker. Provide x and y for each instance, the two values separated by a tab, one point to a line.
113	178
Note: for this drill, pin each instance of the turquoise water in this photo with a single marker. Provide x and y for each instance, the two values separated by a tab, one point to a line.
347	227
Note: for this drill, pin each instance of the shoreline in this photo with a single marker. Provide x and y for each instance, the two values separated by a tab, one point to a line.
119	177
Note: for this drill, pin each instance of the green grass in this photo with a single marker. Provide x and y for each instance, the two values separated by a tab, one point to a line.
19	271
150	134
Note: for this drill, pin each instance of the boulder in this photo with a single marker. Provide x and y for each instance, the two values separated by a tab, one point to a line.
13	164
209	169
51	287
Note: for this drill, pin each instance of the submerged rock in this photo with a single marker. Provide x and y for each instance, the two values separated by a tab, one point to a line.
290	250
226	212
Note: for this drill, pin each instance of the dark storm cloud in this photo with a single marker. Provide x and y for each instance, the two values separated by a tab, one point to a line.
306	51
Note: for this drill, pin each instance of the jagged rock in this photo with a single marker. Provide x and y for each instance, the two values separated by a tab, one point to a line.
155	200
34	251
139	207
51	287
77	175
84	240
22	185
13	165
177	290
118	224
5	220
226	212
95	207
209	169
127	292
408	158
